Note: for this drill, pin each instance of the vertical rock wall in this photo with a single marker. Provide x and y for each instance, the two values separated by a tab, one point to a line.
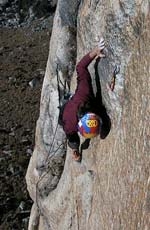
110	189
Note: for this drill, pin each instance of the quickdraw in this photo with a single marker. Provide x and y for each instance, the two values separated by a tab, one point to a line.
113	79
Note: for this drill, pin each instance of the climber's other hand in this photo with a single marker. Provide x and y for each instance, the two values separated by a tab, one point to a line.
76	155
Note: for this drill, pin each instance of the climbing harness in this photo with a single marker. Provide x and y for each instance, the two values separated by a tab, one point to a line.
113	79
64	95
63	92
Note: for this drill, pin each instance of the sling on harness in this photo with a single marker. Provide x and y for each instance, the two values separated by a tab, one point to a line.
61	107
64	96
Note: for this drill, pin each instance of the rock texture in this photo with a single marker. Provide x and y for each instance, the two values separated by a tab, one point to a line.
110	189
14	13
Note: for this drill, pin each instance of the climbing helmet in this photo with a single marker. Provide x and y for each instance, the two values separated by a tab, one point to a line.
89	125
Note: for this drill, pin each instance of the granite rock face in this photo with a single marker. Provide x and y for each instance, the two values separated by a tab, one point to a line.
110	189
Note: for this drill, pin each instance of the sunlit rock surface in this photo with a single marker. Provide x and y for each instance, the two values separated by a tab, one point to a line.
110	189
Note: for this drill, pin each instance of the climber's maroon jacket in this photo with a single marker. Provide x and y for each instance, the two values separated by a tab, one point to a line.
82	94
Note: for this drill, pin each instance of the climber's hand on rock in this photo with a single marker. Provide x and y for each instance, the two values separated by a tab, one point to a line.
101	44
76	155
100	49
100	55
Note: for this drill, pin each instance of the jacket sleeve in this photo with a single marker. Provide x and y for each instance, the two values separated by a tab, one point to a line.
82	65
84	83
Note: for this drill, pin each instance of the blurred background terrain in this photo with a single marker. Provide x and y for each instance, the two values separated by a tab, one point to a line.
25	29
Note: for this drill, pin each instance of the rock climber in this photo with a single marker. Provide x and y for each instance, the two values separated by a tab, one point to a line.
80	112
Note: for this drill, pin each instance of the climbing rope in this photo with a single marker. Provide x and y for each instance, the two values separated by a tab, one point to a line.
113	79
46	165
51	151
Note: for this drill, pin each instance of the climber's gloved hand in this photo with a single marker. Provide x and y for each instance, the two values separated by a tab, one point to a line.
100	49
101	44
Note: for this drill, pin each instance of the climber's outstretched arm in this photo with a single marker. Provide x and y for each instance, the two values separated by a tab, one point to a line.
84	84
